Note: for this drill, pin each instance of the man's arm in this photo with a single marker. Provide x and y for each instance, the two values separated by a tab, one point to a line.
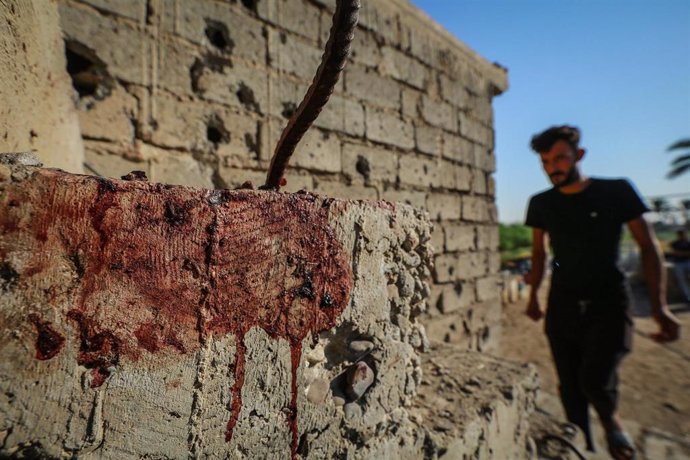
655	276
536	275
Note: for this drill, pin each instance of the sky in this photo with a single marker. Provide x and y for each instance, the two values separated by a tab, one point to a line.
618	69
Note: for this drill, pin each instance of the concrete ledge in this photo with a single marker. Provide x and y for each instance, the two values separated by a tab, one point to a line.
472	405
148	319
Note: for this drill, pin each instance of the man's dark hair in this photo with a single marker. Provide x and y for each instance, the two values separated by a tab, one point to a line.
543	142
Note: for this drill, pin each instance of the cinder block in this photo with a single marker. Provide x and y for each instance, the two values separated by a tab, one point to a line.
458	149
420	43
428	139
177	59
110	119
444	206
457	296
382	19
125	49
297	16
286	94
489	288
487	237
463	175
207	127
344	115
210	128
365	49
445	268
460	236
475	209
368	86
453	91
484	158
388	129
419	171
471	265
473	80
475	131
318	151
294	55
439	114
479	182
448	174
403	68
410	102
239	86
243	35
362	163
480	108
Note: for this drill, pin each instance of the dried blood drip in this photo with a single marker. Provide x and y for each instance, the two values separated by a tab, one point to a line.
163	269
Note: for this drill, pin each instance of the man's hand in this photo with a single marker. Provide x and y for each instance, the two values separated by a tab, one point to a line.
669	326
533	309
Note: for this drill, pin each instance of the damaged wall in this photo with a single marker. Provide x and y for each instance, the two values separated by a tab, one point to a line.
197	93
37	112
143	320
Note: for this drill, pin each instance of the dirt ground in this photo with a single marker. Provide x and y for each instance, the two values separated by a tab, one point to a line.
654	378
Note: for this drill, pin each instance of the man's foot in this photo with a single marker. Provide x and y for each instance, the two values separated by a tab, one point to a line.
621	446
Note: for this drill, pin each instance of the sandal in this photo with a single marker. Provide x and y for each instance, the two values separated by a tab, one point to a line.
621	446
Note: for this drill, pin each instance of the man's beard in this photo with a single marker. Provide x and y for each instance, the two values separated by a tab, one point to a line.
572	176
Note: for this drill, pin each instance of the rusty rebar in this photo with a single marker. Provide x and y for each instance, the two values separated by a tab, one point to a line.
332	64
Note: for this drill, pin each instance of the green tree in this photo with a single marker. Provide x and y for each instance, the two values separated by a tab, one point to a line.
680	164
514	236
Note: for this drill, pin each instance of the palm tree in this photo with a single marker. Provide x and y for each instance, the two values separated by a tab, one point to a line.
680	164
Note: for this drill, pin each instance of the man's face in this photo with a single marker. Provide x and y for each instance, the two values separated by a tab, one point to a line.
560	163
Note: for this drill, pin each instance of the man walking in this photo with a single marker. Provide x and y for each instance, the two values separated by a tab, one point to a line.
588	321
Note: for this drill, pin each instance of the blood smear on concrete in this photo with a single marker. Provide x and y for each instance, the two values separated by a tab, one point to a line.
164	269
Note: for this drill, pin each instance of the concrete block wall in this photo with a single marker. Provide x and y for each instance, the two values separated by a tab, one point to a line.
197	93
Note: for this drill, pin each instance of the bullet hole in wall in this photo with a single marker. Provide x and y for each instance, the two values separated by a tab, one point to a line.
362	166
288	109
250	4
89	74
216	132
246	97
203	65
219	36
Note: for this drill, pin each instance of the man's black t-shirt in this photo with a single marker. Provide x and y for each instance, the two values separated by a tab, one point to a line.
585	230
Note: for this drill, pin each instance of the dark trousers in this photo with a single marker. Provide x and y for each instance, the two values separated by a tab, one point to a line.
589	336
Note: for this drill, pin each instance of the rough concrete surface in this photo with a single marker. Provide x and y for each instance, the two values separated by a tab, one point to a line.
146	319
474	406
